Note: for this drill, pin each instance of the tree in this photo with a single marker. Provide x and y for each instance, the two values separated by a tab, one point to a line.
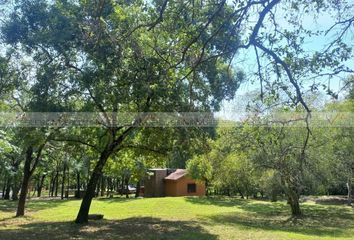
342	140
281	149
8	76
134	56
33	145
200	168
103	52
10	163
223	166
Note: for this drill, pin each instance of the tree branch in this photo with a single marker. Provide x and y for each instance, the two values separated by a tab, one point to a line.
146	148
287	70
75	141
160	18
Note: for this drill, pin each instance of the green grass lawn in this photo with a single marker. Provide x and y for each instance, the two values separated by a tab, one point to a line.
177	218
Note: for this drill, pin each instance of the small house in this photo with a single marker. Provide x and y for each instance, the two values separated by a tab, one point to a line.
172	182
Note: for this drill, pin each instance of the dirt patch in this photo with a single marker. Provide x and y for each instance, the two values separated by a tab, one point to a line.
326	200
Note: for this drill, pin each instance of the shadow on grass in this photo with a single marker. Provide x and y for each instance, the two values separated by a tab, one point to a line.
116	199
132	228
318	220
258	223
218	201
32	205
259	207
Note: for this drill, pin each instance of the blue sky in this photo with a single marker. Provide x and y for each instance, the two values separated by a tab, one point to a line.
246	59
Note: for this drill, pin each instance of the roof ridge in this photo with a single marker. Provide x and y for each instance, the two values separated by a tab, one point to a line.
179	173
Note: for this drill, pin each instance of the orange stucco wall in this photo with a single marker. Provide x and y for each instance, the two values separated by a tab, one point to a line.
178	187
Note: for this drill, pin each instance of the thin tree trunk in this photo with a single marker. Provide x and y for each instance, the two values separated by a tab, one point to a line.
34	189
4	180
112	187
8	189
127	187
349	187
40	186
122	187
4	187
98	187
25	182
56	184
78	194
241	194
109	186
51	185
117	185
63	182
16	186
103	185
137	192
68	186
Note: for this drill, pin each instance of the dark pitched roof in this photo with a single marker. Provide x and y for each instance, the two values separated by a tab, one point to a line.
179	173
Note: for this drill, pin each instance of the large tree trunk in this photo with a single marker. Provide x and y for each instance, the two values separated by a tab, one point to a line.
23	195
295	208
25	182
293	195
349	187
82	216
293	198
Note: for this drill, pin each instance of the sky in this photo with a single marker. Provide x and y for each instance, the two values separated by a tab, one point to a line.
246	61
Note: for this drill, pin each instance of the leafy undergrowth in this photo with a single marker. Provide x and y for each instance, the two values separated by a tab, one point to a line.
177	218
